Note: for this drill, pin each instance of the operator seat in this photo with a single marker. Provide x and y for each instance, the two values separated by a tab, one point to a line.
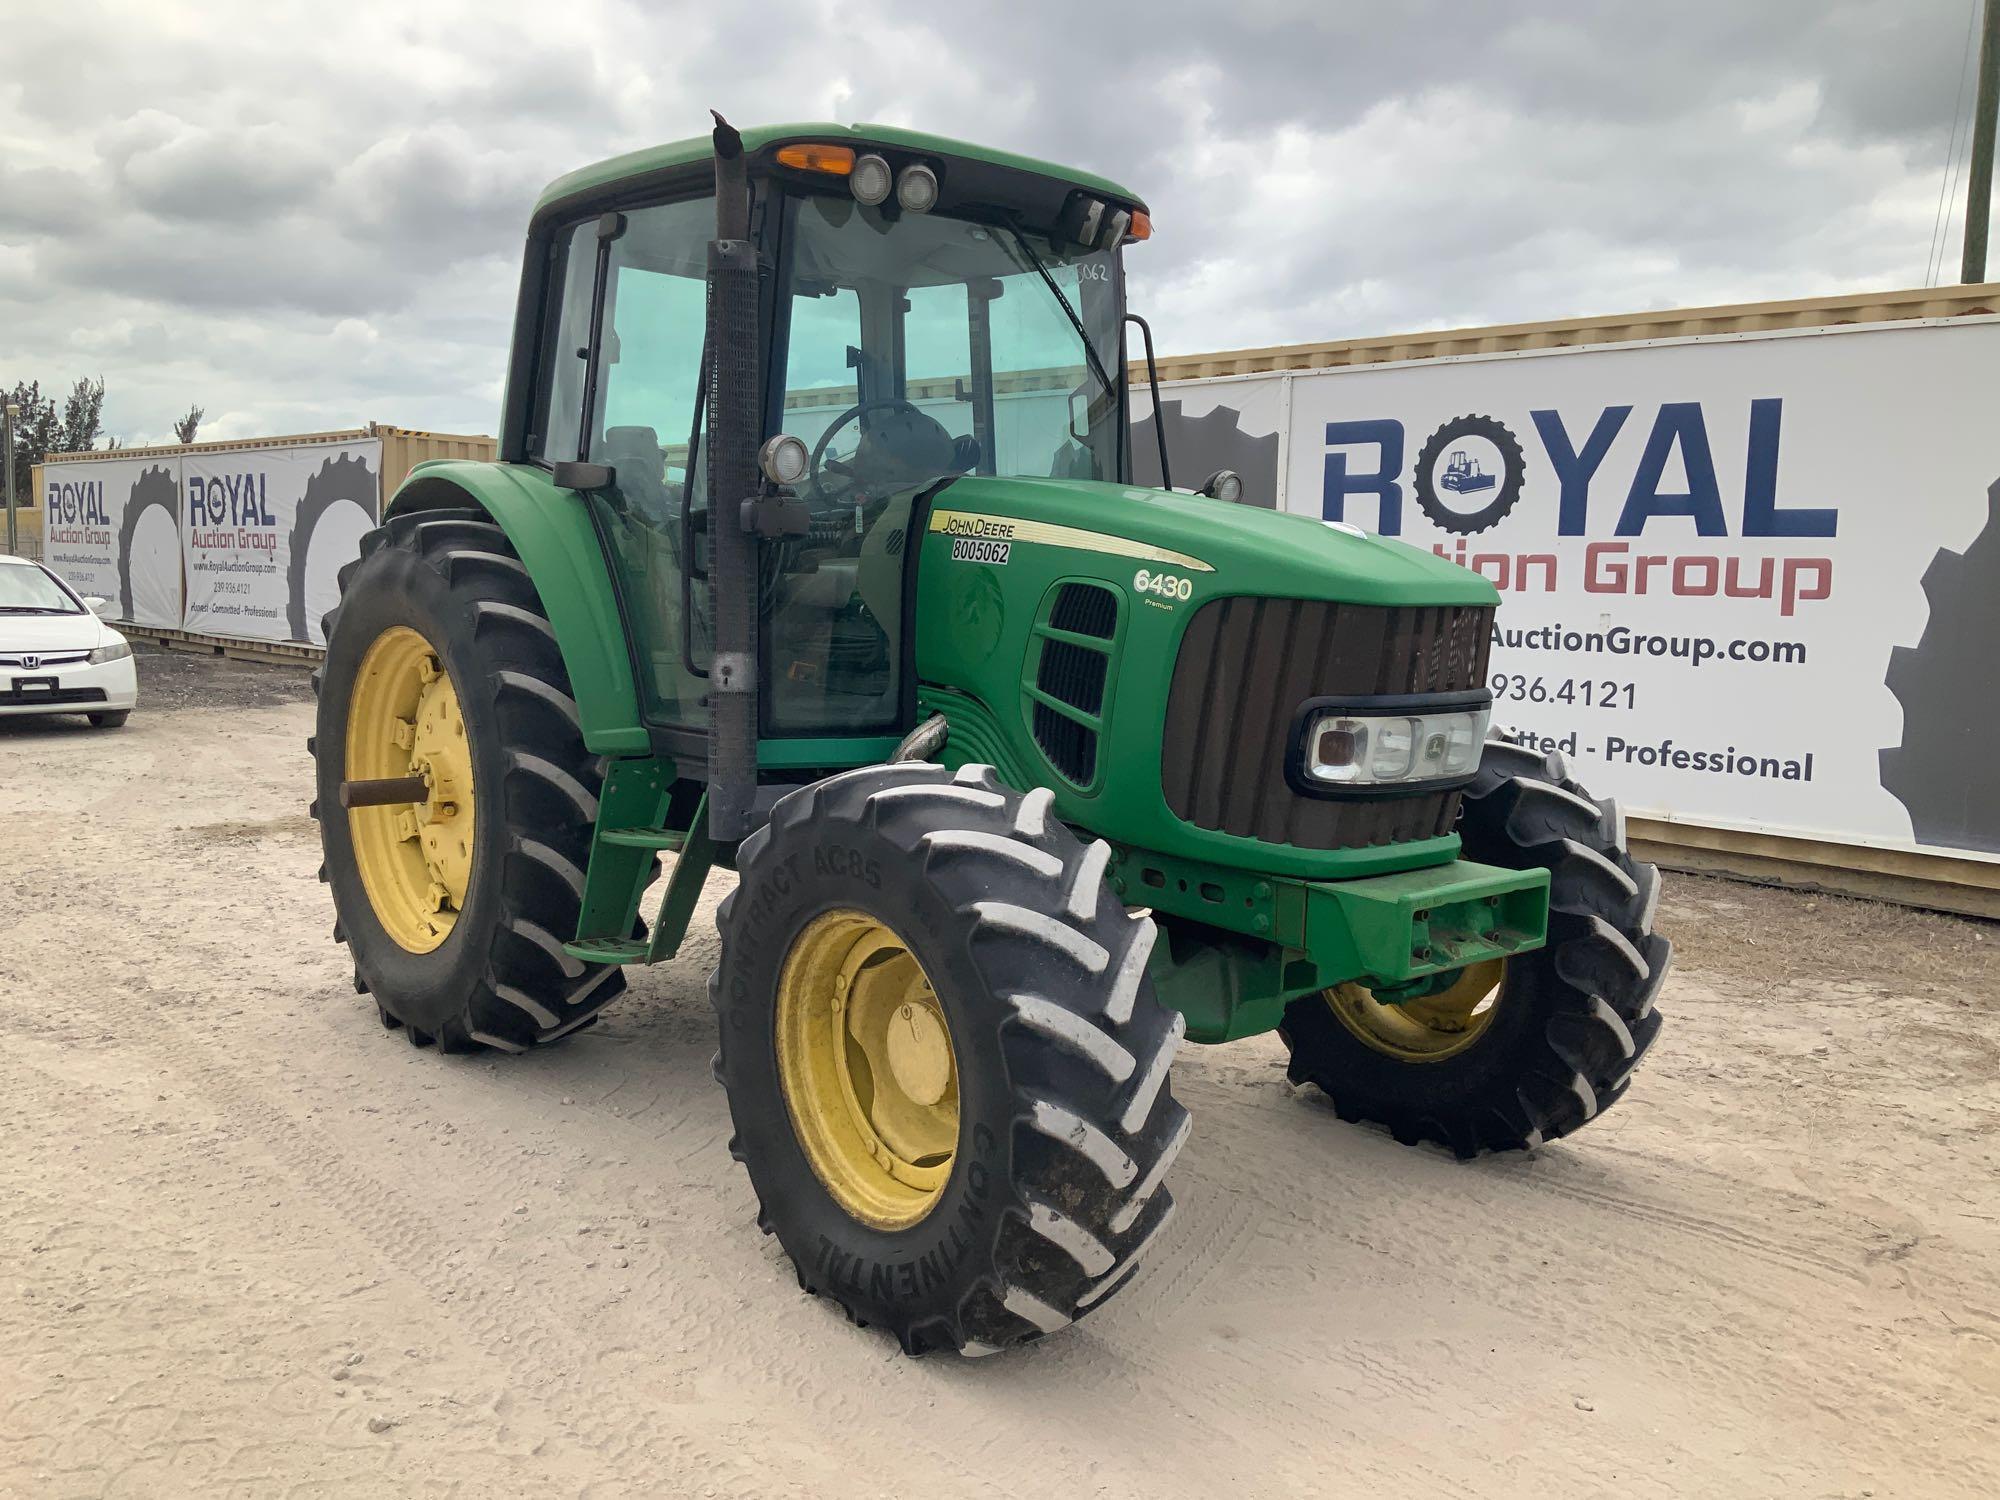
634	452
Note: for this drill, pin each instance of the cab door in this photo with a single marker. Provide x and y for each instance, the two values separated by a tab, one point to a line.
628	355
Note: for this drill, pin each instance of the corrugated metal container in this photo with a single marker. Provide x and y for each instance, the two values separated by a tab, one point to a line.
403	448
1622	328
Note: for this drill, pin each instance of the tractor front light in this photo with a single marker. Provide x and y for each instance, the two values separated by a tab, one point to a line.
1363	749
917	189
871	179
784	459
1223	484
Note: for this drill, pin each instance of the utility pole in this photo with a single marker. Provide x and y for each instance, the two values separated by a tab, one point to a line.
1985	114
13	411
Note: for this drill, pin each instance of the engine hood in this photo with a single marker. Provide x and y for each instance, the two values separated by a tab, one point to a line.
84	632
1239	549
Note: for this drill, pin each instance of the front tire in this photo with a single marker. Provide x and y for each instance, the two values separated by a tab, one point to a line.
982	1197
440	633
115	719
1555	1045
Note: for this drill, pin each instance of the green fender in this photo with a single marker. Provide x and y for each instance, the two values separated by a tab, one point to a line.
552	534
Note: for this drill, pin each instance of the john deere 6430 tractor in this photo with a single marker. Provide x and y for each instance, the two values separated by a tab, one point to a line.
812	553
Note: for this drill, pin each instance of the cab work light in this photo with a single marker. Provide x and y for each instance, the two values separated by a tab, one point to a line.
1356	748
818	156
871	179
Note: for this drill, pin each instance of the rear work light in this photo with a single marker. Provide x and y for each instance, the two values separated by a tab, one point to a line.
1365	747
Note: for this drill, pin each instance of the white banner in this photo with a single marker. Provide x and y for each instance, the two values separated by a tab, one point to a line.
1748	581
266	531
110	530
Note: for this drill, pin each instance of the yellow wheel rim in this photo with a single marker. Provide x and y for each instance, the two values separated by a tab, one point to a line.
869	1075
1427	1030
415	859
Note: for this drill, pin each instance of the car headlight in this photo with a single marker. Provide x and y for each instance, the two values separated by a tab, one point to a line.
116	651
1365	747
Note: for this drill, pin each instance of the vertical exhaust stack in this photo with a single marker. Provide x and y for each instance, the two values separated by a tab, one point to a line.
733	422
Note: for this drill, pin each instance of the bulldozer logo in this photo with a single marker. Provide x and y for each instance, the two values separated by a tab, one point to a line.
1477	465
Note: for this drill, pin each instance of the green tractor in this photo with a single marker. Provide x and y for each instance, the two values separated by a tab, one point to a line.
812	553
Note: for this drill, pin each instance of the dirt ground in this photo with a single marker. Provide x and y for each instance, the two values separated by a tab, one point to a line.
251	1244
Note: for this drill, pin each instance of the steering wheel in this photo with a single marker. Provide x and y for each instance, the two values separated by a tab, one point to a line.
837	466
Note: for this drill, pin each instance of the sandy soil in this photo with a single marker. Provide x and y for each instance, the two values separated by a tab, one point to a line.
254	1245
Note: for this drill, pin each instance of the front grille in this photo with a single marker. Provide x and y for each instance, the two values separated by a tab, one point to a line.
1244	668
1072	676
1086	609
44	660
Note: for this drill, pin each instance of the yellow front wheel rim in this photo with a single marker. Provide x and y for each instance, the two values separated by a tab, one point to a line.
1430	1029
869	1073
415	859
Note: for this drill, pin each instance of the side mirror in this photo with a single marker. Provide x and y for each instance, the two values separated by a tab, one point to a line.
97	606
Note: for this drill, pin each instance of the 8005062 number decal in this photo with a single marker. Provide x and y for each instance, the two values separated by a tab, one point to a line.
980	549
1162	585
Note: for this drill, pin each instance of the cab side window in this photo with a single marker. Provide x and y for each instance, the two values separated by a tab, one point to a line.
558	431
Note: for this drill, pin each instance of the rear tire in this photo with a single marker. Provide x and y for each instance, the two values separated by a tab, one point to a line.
113	720
1065	1125
1572	1020
500	977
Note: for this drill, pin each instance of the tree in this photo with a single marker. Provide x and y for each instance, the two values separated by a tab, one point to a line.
82	416
36	430
42	429
185	428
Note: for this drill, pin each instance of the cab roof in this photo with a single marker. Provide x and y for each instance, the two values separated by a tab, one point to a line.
657	159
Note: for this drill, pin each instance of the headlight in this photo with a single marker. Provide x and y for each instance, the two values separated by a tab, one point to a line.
1365	749
116	651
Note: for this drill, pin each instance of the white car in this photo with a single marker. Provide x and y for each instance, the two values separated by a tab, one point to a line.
56	656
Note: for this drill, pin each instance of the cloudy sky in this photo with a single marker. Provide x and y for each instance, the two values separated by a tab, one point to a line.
309	216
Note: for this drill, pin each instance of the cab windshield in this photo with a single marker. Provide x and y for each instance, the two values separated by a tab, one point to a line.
917	347
911	348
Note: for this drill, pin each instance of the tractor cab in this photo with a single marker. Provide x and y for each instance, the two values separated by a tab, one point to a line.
920	315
